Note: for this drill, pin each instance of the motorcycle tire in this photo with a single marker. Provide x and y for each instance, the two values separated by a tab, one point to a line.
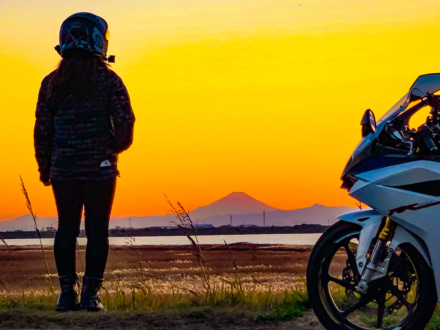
404	298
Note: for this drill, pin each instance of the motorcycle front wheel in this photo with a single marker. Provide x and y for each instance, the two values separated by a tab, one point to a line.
404	299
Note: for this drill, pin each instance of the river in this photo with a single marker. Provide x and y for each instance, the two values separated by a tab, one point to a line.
289	239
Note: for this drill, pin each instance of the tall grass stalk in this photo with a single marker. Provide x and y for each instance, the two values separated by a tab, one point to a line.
34	217
186	224
237	283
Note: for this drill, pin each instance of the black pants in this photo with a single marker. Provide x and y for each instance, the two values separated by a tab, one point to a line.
97	198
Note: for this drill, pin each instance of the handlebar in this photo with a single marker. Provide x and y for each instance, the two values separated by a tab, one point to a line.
429	142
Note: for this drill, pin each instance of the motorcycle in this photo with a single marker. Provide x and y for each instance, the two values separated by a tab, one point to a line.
379	268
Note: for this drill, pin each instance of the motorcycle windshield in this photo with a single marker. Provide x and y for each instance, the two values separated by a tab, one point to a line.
428	83
400	106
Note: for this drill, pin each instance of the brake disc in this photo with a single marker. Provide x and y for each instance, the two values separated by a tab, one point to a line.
399	274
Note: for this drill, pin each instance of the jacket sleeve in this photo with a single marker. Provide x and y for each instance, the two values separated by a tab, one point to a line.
43	132
122	115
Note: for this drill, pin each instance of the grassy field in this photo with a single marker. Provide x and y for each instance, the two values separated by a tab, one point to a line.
222	286
237	286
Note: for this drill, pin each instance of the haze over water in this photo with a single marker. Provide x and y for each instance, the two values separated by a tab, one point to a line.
283	239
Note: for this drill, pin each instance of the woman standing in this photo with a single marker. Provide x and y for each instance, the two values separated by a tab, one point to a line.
83	121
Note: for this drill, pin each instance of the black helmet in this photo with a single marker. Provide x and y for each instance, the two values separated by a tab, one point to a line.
84	32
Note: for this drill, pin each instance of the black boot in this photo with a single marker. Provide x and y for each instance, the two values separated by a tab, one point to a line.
90	300
68	299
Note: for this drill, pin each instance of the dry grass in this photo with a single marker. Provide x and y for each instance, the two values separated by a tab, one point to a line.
250	286
166	268
163	270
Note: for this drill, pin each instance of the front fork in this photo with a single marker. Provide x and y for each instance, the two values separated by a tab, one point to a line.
375	268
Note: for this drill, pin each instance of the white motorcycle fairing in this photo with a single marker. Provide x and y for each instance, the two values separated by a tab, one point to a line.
370	222
409	194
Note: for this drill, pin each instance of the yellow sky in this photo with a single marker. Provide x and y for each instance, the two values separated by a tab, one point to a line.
263	97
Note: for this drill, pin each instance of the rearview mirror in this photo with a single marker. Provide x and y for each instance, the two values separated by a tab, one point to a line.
368	123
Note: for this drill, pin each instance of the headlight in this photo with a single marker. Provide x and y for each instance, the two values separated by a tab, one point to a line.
348	181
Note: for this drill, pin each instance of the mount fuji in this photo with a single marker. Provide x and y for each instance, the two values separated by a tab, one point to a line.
236	209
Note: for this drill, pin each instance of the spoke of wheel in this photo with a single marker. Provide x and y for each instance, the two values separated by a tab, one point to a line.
362	302
380	309
395	291
351	260
345	284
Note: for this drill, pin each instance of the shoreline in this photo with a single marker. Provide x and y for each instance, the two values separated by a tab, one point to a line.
242	246
161	231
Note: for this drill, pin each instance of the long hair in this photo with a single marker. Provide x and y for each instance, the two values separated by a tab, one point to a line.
75	76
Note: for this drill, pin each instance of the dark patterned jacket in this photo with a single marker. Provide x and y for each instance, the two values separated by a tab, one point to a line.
81	140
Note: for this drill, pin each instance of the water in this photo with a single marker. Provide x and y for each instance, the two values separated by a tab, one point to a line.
290	239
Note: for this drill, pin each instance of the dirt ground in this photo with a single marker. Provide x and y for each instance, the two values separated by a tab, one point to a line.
161	269
201	321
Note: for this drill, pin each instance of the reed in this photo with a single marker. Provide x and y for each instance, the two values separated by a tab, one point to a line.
34	217
185	223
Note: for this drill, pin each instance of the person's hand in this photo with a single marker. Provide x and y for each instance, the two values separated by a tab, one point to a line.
46	183
45	180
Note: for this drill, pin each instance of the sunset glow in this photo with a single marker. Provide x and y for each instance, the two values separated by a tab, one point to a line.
263	97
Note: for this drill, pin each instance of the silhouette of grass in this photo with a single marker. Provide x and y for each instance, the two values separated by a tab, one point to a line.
34	217
186	224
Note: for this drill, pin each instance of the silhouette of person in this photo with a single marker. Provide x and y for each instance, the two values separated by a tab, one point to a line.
83	121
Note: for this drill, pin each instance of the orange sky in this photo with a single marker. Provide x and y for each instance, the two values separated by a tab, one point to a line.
263	97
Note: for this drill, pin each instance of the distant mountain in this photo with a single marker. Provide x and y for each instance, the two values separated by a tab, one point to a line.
26	223
142	222
234	203
316	214
236	208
